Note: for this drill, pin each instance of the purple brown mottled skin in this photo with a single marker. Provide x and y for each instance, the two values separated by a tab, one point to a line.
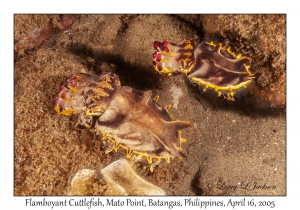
207	64
126	118
66	21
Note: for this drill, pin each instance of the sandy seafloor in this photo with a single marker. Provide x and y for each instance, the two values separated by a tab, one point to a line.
230	143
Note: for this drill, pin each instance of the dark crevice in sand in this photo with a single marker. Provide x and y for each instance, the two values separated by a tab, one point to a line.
130	74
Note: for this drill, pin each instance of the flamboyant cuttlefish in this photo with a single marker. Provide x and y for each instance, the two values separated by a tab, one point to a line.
209	65
126	118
